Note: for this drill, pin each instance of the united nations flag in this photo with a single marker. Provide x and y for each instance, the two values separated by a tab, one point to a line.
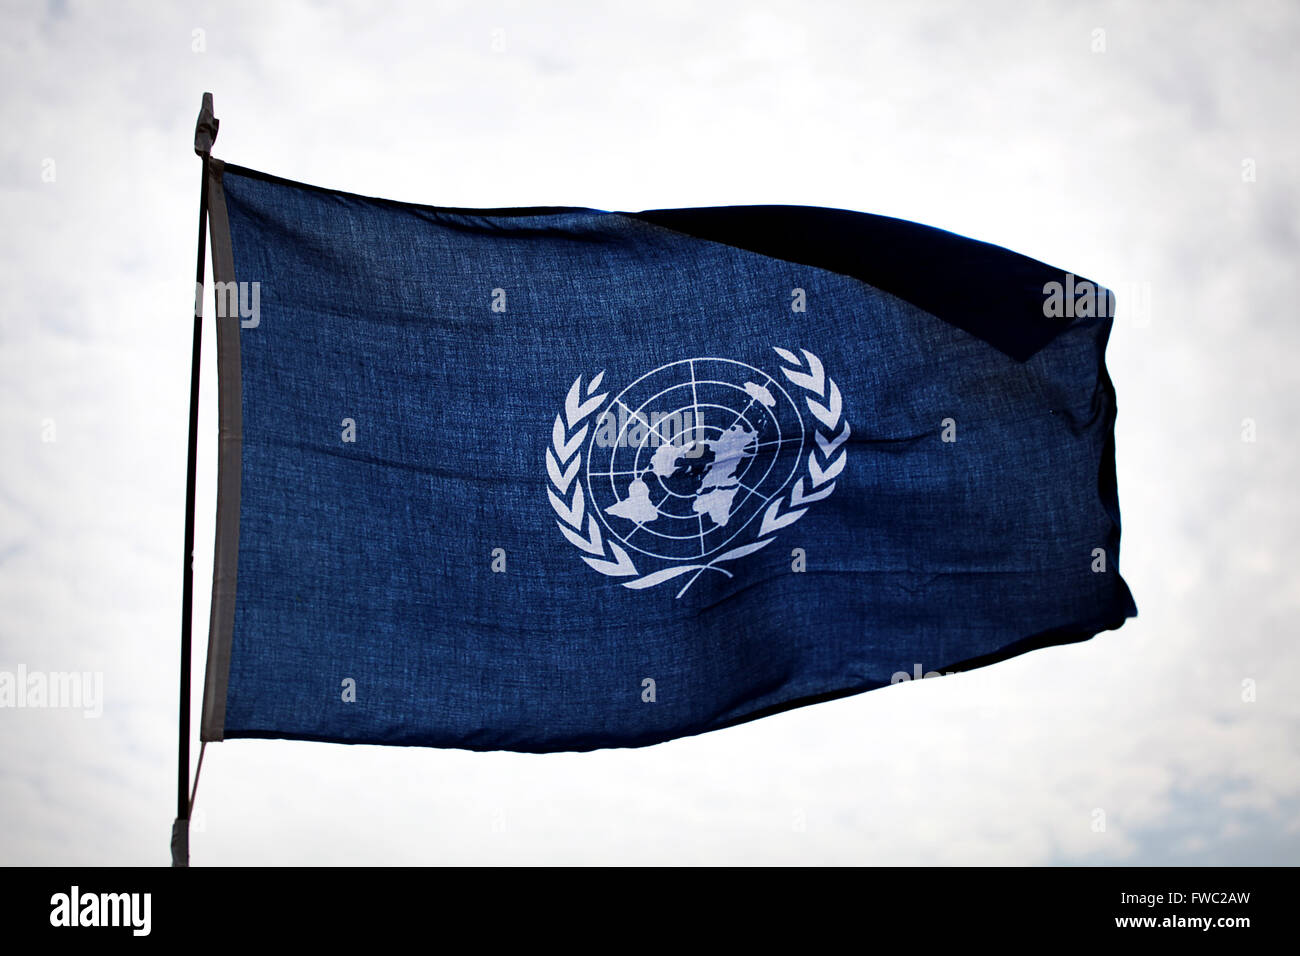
550	478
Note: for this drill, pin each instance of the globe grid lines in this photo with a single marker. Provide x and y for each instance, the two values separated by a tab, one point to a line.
640	525
783	414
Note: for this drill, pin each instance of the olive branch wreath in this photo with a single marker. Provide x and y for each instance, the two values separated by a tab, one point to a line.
564	466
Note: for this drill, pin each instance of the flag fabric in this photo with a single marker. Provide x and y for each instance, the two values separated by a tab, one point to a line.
546	479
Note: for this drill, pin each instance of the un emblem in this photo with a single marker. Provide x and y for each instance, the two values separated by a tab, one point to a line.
691	466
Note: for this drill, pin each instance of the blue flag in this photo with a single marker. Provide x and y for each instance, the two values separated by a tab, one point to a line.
552	479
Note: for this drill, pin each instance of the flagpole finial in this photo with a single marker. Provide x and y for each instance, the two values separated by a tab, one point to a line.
205	129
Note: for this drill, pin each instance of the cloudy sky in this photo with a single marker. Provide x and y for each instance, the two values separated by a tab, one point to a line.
1152	146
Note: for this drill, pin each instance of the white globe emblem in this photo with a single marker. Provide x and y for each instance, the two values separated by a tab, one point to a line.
694	465
701	446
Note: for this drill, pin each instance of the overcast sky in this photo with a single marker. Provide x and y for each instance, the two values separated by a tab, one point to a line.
1131	164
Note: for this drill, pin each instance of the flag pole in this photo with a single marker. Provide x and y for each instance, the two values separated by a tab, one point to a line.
205	133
